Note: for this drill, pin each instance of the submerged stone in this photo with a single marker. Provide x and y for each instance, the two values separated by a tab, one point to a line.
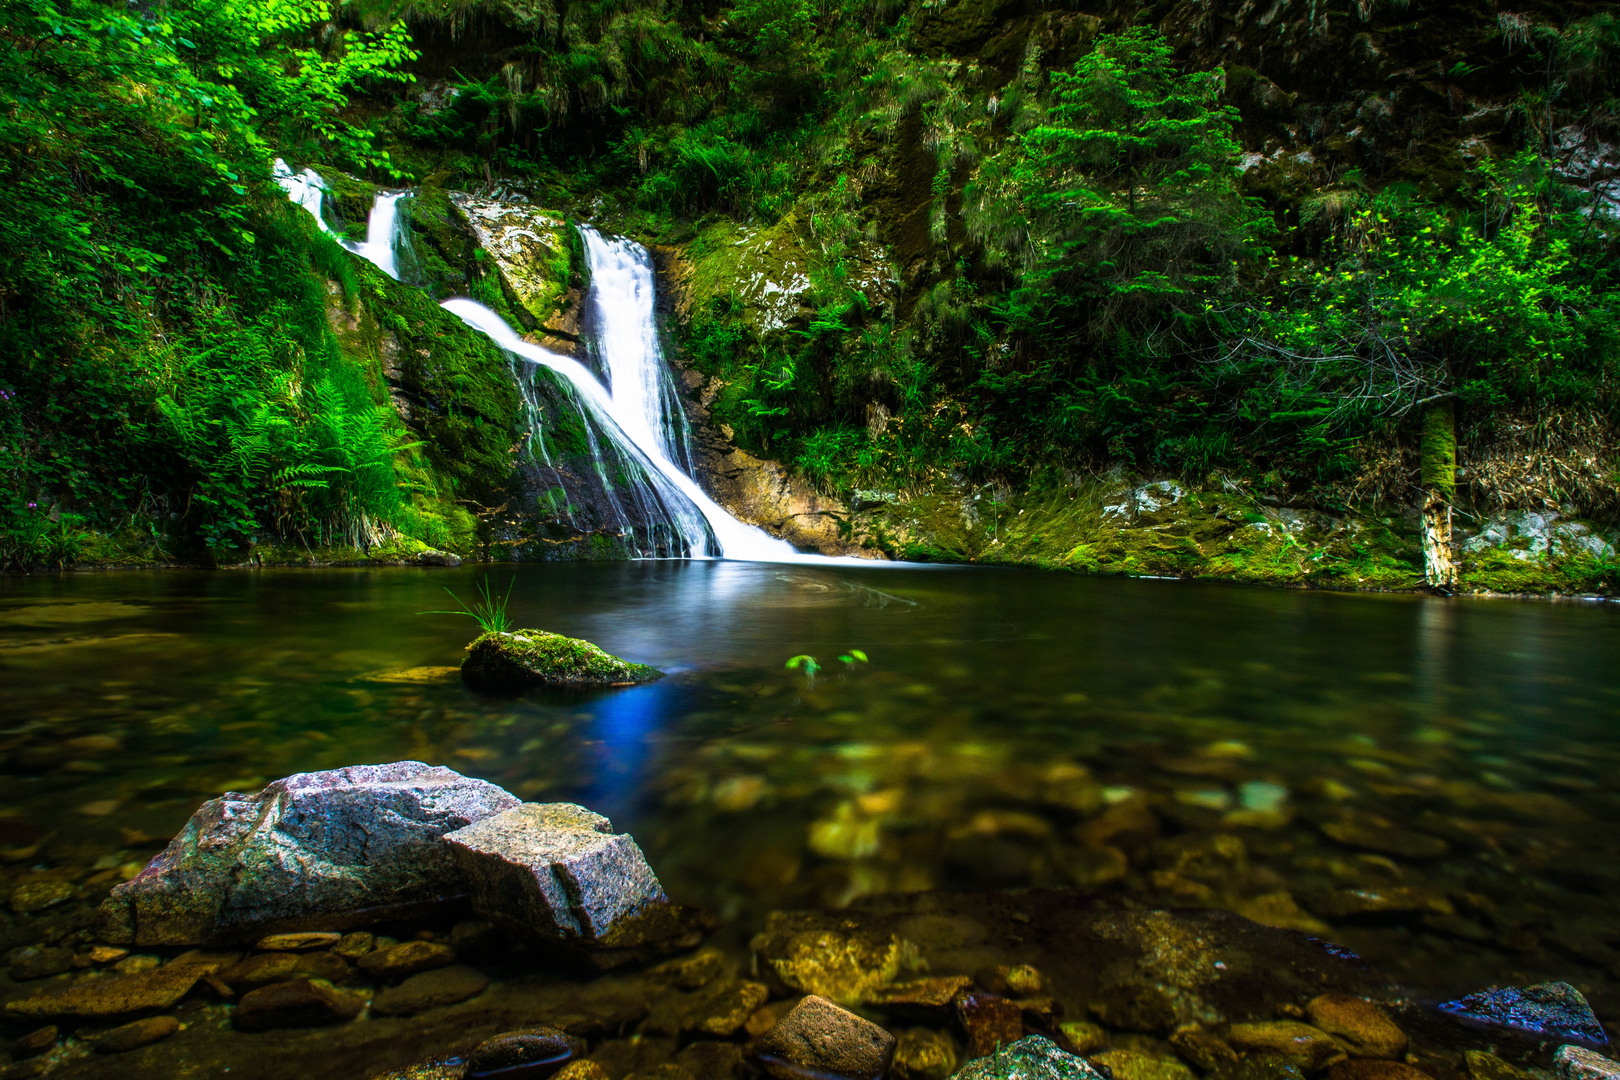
538	658
1580	1063
1308	1047
1360	1026
921	1054
818	1039
528	1053
109	997
554	870
1034	1057
1546	1011
323	850
991	1022
295	1004
134	1035
406	958
829	955
445	986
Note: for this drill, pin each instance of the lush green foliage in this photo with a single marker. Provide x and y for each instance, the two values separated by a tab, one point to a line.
163	347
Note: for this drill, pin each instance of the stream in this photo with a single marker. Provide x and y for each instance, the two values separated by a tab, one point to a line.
1010	729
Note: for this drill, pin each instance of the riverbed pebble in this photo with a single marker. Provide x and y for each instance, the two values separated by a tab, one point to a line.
1363	1028
316	939
1308	1047
445	986
304	1003
818	1038
1580	1063
923	1054
406	959
529	1052
102	998
991	1022
35	1042
134	1035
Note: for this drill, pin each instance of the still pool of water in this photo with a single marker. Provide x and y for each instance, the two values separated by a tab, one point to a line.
1427	781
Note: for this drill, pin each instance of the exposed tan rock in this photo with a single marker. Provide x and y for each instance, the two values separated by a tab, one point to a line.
1362	1027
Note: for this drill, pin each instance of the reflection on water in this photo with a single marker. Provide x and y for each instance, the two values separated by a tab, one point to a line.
1427	781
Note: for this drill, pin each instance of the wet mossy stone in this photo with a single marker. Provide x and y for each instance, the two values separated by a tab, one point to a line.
520	658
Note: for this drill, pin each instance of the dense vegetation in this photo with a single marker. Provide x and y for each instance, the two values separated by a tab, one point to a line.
1037	239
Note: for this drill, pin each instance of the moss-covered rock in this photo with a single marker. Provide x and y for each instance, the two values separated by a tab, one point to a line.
538	658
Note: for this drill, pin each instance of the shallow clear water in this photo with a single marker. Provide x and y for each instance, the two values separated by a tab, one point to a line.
1011	729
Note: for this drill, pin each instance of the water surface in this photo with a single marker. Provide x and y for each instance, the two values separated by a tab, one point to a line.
1281	753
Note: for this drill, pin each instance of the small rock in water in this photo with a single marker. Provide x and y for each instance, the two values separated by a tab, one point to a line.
406	959
107	954
446	986
315	939
267	968
353	946
324	850
437	558
690	972
1204	1049
1385	839
1308	1047
105	998
991	1022
1483	1065
295	1004
1136	1007
1546	1011
1582	1063
33	896
820	1039
1033	1057
438	1068
527	1053
1393	900
35	1042
538	658
924	1000
708	1059
828	955
1136	1065
134	965
720	1009
1364	1029
1374	1069
135	1035
555	870
921	1054
40	963
1084	1037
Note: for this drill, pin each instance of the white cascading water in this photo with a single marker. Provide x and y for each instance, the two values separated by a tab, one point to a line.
381	245
638	409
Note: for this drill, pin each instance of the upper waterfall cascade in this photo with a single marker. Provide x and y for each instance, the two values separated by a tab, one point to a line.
637	408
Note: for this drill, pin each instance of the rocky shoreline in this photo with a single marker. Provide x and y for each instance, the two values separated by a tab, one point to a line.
405	922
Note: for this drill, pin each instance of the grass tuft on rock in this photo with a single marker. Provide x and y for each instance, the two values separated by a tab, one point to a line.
520	658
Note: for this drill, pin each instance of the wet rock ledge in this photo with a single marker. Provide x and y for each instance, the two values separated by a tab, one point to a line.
404	922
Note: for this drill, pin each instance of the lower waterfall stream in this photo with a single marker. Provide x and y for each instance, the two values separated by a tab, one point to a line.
636	408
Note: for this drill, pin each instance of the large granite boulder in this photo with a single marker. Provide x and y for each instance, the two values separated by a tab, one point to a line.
554	870
324	850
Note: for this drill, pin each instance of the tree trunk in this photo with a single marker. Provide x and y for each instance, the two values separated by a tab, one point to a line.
1439	456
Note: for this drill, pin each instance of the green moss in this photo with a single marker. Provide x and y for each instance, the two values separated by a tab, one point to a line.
539	658
1439	448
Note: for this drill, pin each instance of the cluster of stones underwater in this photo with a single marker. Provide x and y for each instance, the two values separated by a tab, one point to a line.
1030	984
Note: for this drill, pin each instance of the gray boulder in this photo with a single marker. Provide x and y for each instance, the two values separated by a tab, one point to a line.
315	851
554	870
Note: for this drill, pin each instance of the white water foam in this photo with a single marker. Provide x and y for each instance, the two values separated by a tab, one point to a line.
381	245
638	410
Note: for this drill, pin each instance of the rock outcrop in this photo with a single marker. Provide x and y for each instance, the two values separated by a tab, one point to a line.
520	658
323	850
554	870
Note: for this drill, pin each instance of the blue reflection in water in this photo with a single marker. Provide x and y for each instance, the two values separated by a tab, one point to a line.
625	722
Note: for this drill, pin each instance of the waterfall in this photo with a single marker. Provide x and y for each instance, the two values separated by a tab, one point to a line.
381	245
638	407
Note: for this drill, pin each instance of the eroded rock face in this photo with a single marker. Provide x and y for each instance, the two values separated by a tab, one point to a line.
554	870
323	850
